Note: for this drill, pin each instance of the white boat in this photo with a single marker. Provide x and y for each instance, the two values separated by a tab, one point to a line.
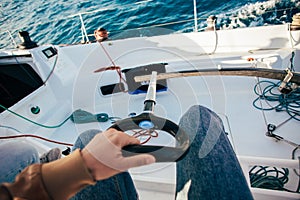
50	82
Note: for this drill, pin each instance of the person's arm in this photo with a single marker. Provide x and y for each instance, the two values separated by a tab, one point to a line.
4	193
61	179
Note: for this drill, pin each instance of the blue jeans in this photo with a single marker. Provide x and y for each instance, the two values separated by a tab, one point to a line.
119	186
14	157
210	170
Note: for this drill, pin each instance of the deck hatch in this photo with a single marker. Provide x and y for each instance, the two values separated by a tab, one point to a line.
141	87
16	82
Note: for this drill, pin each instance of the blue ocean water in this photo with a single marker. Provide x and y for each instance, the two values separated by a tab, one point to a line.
58	22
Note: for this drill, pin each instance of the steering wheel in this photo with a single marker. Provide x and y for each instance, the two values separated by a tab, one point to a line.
149	121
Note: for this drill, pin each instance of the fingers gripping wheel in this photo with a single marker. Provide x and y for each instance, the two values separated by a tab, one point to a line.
152	122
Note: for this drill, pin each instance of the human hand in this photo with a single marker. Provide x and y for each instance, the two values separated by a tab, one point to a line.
103	155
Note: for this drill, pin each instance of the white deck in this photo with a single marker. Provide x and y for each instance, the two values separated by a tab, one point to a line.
73	85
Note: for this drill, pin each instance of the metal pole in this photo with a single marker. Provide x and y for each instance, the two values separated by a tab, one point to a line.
149	102
195	16
11	37
83	28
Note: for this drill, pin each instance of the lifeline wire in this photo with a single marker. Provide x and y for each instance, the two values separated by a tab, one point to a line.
33	122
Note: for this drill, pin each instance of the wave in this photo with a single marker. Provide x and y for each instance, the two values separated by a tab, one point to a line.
259	14
56	21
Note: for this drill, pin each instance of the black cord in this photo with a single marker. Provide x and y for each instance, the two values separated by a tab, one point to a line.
270	178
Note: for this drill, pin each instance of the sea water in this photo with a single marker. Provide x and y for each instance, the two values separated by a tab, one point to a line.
59	22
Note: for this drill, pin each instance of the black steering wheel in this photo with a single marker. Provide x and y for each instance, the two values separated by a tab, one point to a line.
149	121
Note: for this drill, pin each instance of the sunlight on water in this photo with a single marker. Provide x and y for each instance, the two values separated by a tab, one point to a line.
58	21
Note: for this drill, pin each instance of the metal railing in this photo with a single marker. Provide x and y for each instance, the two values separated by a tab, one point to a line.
84	33
85	36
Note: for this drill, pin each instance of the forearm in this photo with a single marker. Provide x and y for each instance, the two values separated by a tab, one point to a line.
28	185
65	177
60	179
4	193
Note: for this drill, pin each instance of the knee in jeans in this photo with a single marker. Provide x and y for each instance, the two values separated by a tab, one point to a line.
25	153
205	112
199	119
85	137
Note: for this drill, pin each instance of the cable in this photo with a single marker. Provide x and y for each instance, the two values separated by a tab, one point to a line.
9	127
290	103
269	178
145	133
52	70
216	38
34	136
102	117
33	122
114	67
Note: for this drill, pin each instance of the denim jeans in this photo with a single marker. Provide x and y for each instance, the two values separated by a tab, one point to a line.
14	157
117	187
210	170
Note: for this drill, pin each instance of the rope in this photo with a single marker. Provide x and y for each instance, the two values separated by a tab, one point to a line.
114	67
35	136
145	133
29	135
290	103
33	122
269	178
